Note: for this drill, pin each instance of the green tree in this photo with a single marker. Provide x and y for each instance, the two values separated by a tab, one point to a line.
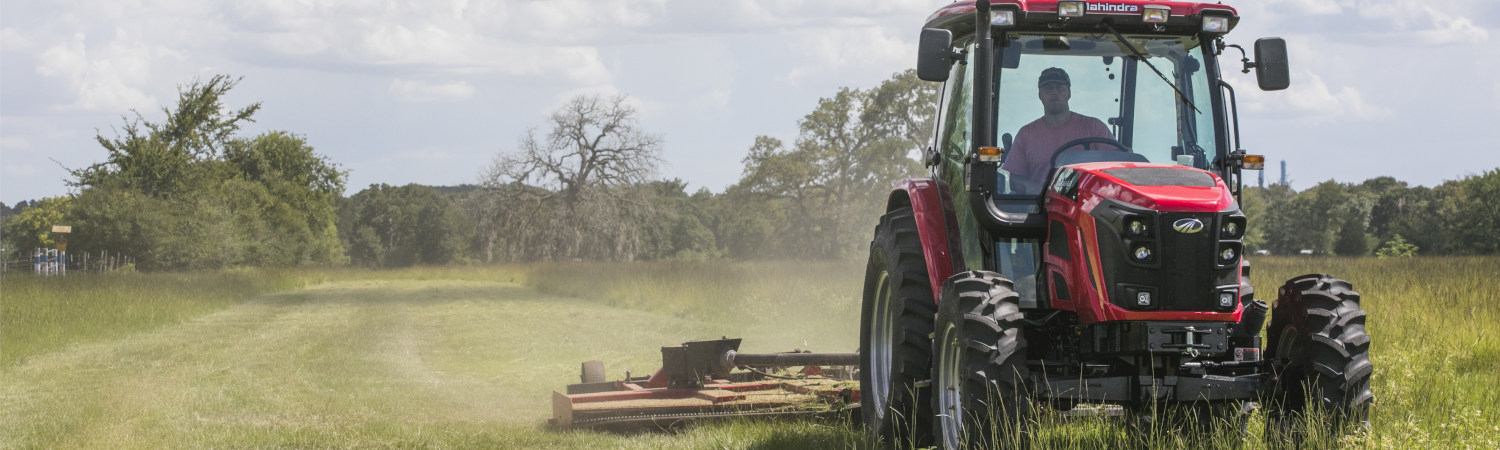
1327	219
124	221
1397	247
289	211
386	226
161	159
1478	220
201	196
1352	217
836	174
32	227
745	224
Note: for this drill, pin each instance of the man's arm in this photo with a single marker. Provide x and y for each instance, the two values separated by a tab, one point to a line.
1020	163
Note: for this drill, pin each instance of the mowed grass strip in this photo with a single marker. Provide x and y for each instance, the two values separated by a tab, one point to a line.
347	364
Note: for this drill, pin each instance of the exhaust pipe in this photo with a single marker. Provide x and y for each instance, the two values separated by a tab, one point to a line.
1252	320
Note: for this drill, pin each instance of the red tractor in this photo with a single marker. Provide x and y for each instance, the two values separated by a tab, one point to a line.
1086	260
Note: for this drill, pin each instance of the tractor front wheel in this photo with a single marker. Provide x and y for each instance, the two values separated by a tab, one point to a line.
1318	329
895	334
980	387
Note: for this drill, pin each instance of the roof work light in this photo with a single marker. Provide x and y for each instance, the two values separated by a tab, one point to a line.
1002	18
1156	13
1070	9
1215	24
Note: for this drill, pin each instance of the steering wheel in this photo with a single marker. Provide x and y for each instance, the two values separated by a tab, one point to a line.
1085	142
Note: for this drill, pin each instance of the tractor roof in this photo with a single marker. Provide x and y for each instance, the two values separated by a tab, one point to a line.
1185	17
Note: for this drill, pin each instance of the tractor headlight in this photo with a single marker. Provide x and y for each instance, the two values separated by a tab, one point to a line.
1142	252
1232	228
1136	227
1143	298
1229	253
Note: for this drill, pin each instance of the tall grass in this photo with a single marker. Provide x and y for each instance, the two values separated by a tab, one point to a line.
1435	343
41	314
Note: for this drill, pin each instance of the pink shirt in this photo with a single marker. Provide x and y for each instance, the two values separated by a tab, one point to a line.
1030	155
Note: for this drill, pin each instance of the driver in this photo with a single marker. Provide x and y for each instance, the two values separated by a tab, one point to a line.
1029	160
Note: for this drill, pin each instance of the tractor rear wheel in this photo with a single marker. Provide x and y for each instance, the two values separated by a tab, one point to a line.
980	391
895	334
1318	328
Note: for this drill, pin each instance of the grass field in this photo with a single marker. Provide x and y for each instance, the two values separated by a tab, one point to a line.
467	356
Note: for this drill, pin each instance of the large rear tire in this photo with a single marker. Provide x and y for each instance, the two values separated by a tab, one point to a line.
1318	328
895	334
980	382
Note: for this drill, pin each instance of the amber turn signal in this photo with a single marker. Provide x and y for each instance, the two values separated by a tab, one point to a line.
990	154
1253	162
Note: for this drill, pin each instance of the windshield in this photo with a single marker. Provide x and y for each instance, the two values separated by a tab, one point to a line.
1055	89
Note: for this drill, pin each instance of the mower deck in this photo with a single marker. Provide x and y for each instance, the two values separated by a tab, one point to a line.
698	381
633	406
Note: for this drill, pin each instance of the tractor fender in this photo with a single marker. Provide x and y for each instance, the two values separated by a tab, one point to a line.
937	226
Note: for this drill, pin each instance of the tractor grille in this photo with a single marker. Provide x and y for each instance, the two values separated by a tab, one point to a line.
1183	274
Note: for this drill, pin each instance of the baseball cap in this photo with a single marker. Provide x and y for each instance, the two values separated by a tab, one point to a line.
1053	74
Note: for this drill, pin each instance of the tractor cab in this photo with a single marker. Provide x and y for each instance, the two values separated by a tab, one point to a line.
1073	82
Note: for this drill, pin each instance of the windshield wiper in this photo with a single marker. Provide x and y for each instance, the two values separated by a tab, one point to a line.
1142	57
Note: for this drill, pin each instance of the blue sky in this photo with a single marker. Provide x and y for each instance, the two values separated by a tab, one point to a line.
428	92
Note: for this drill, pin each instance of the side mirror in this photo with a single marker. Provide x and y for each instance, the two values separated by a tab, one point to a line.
1271	70
934	54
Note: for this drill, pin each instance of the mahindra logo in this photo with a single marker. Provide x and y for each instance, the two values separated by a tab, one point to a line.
1187	226
1113	7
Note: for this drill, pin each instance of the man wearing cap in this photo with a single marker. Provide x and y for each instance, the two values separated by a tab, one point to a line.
1030	155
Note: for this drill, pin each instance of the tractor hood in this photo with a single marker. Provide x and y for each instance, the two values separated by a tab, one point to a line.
1158	187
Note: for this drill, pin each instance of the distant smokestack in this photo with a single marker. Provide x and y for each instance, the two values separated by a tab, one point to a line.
1283	172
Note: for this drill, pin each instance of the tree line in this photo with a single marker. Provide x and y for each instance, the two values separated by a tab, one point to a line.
192	192
1380	215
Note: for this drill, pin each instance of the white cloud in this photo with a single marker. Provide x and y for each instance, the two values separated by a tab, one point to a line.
1425	23
715	99
565	19
429	155
1308	7
534	39
103	79
1310	99
1314	97
1373	22
419	91
12	39
1496	103
14	143
20	170
870	51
